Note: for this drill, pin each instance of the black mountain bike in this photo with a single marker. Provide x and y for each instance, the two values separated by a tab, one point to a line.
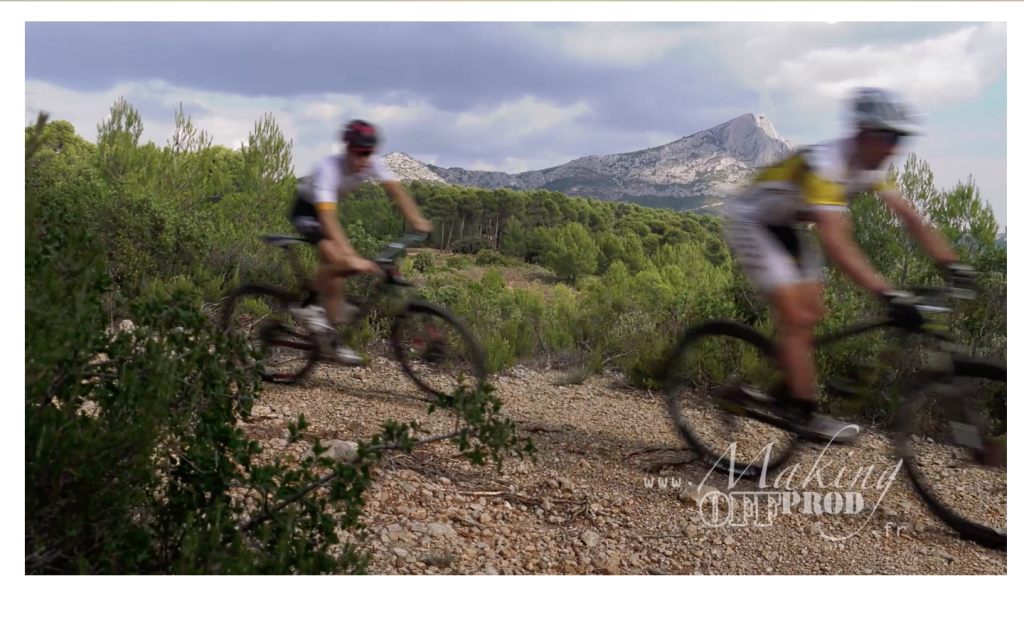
950	421
422	334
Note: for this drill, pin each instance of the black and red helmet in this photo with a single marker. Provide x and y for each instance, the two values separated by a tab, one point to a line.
359	135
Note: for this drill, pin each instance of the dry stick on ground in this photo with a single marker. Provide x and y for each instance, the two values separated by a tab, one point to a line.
582	505
539	428
424	467
430	467
657	467
657	450
466	521
523	498
618	355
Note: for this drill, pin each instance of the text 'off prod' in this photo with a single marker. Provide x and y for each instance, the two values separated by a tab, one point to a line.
760	508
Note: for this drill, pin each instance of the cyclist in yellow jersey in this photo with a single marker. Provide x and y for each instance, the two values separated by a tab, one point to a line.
814	186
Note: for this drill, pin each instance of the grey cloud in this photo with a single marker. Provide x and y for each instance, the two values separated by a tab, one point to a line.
155	110
455	67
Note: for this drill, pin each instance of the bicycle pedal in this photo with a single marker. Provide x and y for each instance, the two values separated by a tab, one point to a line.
756	395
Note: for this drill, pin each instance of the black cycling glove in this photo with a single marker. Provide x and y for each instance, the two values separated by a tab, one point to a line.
901	306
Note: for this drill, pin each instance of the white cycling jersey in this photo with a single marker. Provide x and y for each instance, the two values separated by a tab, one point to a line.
328	182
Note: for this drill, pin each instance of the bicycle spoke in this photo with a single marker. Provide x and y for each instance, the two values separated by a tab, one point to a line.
436	350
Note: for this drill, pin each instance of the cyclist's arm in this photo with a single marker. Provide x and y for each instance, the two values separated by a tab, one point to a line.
924	233
836	234
827	202
408	206
401	197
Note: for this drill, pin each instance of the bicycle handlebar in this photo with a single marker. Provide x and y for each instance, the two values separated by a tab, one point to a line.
929	300
956	288
398	246
932	294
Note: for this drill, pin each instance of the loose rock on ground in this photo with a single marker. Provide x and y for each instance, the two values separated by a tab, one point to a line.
584	507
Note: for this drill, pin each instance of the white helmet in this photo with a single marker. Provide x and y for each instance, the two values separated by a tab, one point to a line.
878	109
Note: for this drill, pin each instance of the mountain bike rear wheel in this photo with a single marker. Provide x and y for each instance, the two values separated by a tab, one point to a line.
287	353
696	372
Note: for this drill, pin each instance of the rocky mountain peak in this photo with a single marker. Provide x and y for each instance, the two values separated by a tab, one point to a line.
409	169
694	172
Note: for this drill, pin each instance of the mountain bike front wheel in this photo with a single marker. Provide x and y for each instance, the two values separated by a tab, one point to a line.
435	349
951	436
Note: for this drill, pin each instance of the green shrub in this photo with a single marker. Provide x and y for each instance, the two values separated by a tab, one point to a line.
423	262
470	245
459	262
575	376
489	258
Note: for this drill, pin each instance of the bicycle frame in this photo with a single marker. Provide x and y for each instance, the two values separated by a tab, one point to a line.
389	278
954	356
915	326
929	329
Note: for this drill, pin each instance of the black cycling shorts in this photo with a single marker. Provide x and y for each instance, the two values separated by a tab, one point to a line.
306	221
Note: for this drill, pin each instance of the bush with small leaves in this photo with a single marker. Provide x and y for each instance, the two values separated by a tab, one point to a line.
491	258
135	462
459	262
423	262
470	245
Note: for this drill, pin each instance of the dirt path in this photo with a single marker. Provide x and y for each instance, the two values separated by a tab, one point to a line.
585	507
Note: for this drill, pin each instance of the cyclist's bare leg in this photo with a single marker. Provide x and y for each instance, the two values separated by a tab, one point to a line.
795	292
798	309
329	281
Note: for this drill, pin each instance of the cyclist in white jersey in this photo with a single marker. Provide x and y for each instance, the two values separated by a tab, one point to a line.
315	217
814	185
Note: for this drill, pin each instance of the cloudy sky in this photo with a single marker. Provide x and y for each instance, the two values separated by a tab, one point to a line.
517	96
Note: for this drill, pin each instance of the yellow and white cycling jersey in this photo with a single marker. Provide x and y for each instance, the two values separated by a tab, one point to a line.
814	177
